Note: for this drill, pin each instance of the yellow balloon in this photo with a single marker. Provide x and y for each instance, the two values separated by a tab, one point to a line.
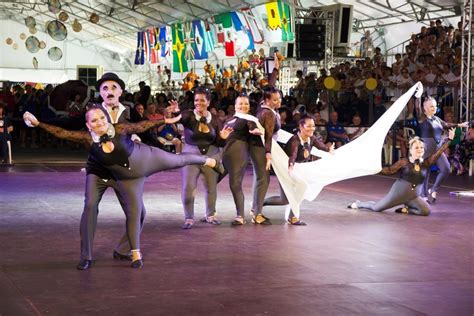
329	83
371	84
337	87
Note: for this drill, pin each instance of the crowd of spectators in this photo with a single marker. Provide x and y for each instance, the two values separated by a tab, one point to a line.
432	56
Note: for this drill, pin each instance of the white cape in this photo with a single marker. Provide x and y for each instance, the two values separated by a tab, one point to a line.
361	157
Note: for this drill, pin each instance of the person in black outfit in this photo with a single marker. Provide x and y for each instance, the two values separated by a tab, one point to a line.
203	135
260	152
298	149
236	153
408	188
5	129
128	162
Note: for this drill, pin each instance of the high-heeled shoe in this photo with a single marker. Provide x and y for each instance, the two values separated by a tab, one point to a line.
188	224
84	264
138	264
261	219
210	220
137	259
119	256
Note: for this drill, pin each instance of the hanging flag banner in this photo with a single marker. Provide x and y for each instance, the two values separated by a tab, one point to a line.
139	56
209	36
276	17
180	63
273	15
252	25
286	29
188	41
162	41
152	54
225	32
242	40
199	44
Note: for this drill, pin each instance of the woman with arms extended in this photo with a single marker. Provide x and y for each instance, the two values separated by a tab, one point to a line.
128	162
298	149
203	136
407	189
431	129
261	152
236	153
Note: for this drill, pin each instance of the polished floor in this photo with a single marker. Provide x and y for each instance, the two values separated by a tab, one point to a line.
345	262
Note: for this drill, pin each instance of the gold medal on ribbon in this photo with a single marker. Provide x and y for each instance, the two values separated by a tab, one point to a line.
306	153
417	167
203	128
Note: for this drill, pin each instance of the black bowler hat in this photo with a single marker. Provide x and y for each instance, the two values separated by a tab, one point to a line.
110	76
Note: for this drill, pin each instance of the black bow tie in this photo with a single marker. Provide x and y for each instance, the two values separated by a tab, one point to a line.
115	108
203	120
417	161
306	145
105	138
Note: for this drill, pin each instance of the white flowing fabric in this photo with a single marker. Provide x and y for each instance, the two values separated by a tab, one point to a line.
358	158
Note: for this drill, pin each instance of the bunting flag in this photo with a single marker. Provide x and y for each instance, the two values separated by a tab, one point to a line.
162	42
179	61
273	15
225	33
152	53
209	36
188	41
199	44
224	24
244	35
252	26
139	55
285	14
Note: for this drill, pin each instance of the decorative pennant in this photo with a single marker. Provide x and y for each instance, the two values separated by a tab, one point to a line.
285	14
152	54
252	25
139	56
179	61
162	41
209	36
224	24
188	41
273	15
199	45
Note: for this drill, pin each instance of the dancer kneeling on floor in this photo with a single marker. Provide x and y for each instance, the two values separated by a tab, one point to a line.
408	188
129	162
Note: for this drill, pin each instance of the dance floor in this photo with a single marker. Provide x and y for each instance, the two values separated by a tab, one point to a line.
344	262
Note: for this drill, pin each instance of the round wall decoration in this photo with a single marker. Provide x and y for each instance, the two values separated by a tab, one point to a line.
32	44
56	30
55	53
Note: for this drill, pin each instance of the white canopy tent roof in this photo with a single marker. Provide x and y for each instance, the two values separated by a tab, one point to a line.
119	21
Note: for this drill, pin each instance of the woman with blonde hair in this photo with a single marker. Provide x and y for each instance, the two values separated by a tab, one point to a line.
407	189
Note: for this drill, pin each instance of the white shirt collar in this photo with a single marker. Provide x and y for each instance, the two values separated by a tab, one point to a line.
302	141
208	116
121	108
110	132
413	160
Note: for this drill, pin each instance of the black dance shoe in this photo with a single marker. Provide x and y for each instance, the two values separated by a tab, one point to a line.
84	264
137	264
119	256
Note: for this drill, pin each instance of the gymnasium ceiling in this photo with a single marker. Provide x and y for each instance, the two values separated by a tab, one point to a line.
119	21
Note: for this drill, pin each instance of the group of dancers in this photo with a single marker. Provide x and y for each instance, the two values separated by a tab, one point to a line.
212	149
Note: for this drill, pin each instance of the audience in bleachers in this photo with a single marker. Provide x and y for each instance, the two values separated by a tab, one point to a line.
433	56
